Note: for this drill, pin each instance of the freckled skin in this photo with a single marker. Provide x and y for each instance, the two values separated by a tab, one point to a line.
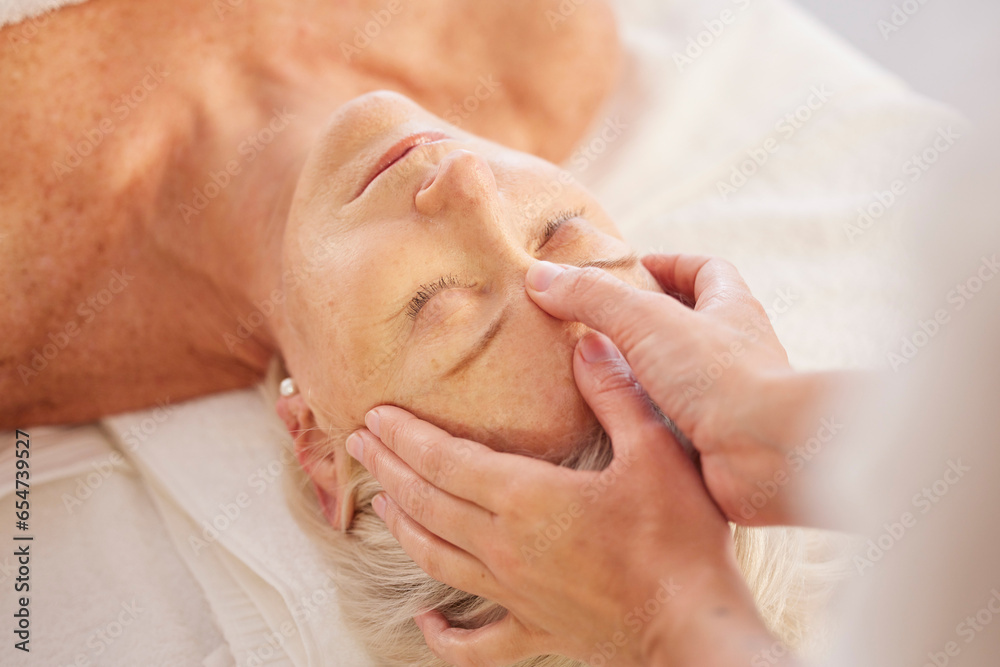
175	332
455	207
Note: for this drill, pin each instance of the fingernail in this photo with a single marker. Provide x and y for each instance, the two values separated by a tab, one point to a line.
541	274
355	445
378	504
371	421
596	349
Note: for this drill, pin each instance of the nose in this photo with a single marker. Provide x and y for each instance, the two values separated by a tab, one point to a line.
462	197
462	186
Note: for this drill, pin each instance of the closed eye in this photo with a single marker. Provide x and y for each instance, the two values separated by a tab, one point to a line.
553	224
427	291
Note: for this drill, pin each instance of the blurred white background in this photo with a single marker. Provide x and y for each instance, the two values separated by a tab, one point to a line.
949	50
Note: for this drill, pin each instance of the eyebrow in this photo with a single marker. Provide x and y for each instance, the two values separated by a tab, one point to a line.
629	261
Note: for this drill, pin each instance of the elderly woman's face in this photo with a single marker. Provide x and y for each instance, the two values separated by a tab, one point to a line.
407	247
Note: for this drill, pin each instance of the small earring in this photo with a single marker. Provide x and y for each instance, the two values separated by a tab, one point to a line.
288	388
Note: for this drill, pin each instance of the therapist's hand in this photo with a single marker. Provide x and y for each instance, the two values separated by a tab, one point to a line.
713	364
632	566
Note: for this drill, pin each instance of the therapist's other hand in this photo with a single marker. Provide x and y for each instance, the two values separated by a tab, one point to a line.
636	558
710	359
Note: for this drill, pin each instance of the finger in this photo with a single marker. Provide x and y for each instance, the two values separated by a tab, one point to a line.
463	468
440	559
456	520
626	314
502	642
619	402
701	280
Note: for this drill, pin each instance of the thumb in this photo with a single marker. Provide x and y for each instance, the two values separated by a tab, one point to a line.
612	391
626	314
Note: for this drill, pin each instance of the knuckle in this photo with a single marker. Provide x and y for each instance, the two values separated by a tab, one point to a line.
720	264
424	557
375	461
430	459
392	520
636	329
508	564
617	378
416	493
513	503
598	291
397	432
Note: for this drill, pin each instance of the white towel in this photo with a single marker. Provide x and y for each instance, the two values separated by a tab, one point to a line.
107	586
30	11
216	467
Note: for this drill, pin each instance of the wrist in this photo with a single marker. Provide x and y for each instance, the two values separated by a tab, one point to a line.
789	407
791	419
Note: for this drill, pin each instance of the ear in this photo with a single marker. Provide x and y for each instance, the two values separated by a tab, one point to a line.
328	467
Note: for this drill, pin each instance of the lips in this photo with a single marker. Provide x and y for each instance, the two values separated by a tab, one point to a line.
399	150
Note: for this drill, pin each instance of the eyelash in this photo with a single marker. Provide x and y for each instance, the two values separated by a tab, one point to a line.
555	222
427	291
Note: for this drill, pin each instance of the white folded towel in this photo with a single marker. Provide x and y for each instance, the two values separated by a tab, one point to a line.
216	468
15	11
